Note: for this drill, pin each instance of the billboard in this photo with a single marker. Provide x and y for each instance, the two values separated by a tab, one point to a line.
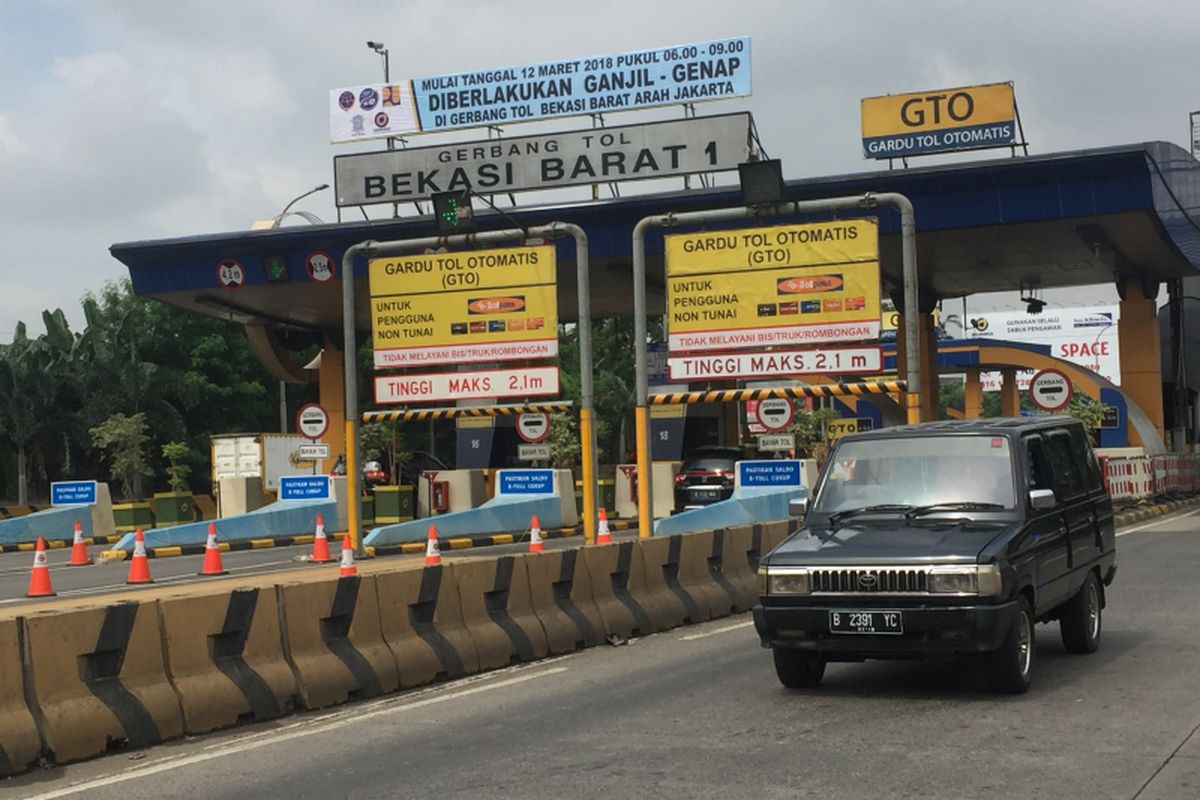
678	74
451	308
784	285
549	161
1086	336
942	120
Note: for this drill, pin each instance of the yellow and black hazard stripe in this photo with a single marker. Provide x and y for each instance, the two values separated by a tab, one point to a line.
489	539
406	415
198	549
56	544
737	395
12	512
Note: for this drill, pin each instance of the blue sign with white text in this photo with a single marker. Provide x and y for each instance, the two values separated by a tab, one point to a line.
72	493
305	487
526	481
769	473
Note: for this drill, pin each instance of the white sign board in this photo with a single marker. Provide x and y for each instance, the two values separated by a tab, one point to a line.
776	442
312	421
550	161
444	386
1050	390
775	413
779	363
533	452
533	426
312	451
1086	336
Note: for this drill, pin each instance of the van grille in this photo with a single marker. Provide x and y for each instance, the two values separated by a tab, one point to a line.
870	580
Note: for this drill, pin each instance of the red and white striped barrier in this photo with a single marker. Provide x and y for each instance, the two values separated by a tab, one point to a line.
1133	479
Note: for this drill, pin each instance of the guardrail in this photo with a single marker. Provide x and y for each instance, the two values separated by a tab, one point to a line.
133	672
1133	480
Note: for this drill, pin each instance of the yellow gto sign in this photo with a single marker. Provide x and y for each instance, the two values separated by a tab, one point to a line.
786	285
965	118
484	269
837	428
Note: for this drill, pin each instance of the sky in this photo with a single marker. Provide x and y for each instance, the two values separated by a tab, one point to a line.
124	120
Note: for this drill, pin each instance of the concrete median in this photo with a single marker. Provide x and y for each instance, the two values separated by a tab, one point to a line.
20	744
675	605
615	576
696	575
560	590
334	636
98	679
423	624
225	657
498	611
730	565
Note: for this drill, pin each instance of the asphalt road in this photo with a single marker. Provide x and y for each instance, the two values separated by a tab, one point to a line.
697	713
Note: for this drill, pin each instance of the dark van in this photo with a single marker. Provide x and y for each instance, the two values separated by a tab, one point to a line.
942	539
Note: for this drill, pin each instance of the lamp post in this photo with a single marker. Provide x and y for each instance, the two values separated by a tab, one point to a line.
279	219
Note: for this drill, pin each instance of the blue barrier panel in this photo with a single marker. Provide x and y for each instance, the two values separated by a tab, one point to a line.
290	518
761	493
53	523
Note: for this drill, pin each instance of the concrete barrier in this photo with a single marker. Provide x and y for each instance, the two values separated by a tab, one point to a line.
98	678
674	604
423	625
57	524
20	744
612	570
730	565
335	640
773	534
696	575
761	493
225	658
277	519
560	589
498	611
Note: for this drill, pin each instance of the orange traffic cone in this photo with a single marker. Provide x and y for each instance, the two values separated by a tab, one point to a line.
320	553
347	567
79	553
39	581
535	536
432	554
139	565
603	535
212	554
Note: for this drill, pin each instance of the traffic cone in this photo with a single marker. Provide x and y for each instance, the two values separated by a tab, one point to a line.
603	535
320	553
39	580
535	536
139	565
79	553
347	567
212	554
432	554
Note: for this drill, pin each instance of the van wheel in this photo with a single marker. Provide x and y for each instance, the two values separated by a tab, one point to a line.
798	669
1010	669
1080	623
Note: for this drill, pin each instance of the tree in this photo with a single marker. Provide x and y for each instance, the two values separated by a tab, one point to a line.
124	440
177	473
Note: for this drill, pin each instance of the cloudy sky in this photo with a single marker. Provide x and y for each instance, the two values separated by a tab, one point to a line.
142	119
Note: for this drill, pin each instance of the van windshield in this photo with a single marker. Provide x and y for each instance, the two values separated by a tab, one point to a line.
918	471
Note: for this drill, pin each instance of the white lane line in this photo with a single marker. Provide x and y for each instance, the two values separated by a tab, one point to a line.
351	717
1160	521
706	634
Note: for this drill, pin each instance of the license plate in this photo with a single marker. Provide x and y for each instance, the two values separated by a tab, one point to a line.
710	494
889	622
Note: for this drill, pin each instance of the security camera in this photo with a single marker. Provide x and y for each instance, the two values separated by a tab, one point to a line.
376	46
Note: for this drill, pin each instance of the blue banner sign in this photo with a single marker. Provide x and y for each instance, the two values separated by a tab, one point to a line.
305	487
72	493
525	481
769	473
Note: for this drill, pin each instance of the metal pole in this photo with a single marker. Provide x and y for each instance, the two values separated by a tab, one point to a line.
350	374
282	407
374	249
833	204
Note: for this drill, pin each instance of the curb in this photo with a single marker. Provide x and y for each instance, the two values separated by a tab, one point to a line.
1141	513
58	544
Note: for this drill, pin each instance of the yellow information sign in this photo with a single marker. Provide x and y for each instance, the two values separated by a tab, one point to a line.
837	242
837	428
510	315
482	269
941	120
785	285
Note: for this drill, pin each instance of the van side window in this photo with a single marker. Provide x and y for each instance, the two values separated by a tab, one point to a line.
1085	460
1040	473
1068	479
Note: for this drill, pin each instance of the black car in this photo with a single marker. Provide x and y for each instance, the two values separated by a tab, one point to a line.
943	539
705	476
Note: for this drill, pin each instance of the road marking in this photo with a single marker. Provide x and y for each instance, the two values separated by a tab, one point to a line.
1161	521
349	717
706	634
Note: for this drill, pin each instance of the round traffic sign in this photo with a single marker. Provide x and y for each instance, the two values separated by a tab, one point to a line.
533	426
312	421
1051	390
230	273
776	413
320	267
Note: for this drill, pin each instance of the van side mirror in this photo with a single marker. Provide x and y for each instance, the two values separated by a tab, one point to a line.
1041	499
798	507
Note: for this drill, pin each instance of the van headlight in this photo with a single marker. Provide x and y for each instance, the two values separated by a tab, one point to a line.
980	580
784	582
